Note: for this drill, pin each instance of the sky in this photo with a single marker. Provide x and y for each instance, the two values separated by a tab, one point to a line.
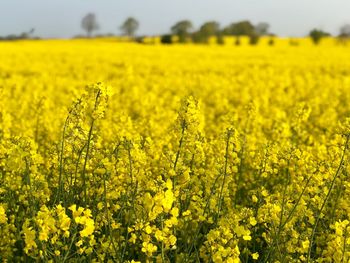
62	18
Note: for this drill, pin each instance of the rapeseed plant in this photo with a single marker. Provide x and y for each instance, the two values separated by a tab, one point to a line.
233	157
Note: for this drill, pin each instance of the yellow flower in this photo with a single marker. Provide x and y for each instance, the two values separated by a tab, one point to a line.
172	240
159	235
175	212
255	256
148	229
168	200
148	248
247	237
89	228
252	221
305	244
133	238
44	234
79	243
100	206
3	217
254	199
186	213
29	237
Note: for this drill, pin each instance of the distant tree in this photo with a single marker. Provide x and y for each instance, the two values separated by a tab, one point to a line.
344	35
130	26
89	23
238	42
345	31
262	29
197	37
23	35
182	29
220	39
242	28
254	39
27	35
317	35
166	39
208	29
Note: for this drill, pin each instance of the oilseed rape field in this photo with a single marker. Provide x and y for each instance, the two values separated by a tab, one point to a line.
123	152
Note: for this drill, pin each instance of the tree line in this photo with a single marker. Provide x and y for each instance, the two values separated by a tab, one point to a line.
184	31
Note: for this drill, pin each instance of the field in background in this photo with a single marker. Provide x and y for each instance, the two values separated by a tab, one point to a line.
180	153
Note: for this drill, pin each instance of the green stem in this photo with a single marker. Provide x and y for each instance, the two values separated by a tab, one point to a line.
224	179
311	240
83	173
344	247
85	161
179	150
107	213
60	180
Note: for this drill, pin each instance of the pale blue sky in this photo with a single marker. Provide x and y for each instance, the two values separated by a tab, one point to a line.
61	18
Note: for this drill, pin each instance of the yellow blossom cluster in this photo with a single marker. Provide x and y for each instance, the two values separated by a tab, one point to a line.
123	152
